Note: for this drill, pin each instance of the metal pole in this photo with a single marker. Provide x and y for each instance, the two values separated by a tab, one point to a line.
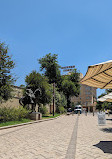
53	97
86	112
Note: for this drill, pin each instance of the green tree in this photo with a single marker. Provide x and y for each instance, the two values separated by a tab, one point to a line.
103	94
69	89
6	79
60	101
99	105
36	81
50	66
70	85
108	91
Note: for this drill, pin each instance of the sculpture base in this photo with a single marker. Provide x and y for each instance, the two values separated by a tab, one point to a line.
35	116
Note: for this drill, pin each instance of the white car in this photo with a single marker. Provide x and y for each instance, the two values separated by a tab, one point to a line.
78	108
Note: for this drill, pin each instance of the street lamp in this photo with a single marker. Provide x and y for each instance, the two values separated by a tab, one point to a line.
53	97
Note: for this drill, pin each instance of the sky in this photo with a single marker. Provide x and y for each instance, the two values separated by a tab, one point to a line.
80	32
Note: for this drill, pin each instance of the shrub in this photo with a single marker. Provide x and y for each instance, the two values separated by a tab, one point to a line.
60	102
44	110
13	114
62	110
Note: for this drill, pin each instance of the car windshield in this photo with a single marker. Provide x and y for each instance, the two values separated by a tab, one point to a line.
77	107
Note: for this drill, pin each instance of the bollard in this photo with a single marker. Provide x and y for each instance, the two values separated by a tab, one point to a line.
86	113
78	113
93	113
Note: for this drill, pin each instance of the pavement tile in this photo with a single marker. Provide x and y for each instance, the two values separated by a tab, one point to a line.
89	134
54	139
40	140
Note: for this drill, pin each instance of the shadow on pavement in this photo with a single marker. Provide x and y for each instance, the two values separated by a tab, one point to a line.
105	146
109	119
107	130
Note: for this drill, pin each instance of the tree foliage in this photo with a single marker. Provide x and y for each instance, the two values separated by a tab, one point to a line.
104	105
60	101
6	79
103	94
108	91
50	66
70	85
36	81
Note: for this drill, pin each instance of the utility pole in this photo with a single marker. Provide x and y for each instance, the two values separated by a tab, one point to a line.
53	97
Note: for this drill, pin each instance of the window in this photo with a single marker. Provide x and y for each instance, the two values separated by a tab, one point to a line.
88	88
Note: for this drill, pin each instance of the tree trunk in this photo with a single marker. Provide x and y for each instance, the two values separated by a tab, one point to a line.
68	102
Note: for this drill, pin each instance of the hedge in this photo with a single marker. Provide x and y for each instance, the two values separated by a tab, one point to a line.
13	114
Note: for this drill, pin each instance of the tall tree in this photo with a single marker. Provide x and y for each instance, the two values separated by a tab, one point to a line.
71	86
6	79
50	66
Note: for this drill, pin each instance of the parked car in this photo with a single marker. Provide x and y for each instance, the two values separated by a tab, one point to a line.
69	111
78	109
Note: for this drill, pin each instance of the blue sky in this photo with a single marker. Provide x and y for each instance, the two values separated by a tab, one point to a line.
80	32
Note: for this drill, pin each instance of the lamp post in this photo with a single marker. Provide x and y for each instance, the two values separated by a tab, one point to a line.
53	97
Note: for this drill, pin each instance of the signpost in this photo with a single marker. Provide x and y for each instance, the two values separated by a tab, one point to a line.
68	68
53	97
101	118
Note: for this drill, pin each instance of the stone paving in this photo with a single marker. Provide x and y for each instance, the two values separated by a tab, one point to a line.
90	134
68	137
45	140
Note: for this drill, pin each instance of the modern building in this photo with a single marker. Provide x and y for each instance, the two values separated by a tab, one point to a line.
87	97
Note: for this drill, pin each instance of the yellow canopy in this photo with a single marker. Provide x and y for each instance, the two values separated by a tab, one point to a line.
99	75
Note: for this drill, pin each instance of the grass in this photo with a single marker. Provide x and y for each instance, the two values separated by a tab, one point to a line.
14	122
26	120
50	116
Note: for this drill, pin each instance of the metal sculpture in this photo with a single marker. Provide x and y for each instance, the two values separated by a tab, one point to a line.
30	98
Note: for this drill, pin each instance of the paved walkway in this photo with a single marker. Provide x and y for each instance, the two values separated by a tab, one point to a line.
46	140
68	137
90	134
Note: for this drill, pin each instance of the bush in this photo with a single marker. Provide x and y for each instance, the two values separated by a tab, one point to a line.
60	102
44	110
13	114
61	109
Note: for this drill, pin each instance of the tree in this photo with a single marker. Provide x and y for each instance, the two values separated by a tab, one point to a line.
68	89
99	105
36	81
60	101
108	91
50	66
71	86
68	84
101	95
6	79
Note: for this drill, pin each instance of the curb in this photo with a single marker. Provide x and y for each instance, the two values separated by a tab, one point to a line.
38	121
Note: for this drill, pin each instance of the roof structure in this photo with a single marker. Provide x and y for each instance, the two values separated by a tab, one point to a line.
99	75
107	98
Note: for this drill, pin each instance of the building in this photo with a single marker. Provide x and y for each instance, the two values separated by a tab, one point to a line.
87	97
17	93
